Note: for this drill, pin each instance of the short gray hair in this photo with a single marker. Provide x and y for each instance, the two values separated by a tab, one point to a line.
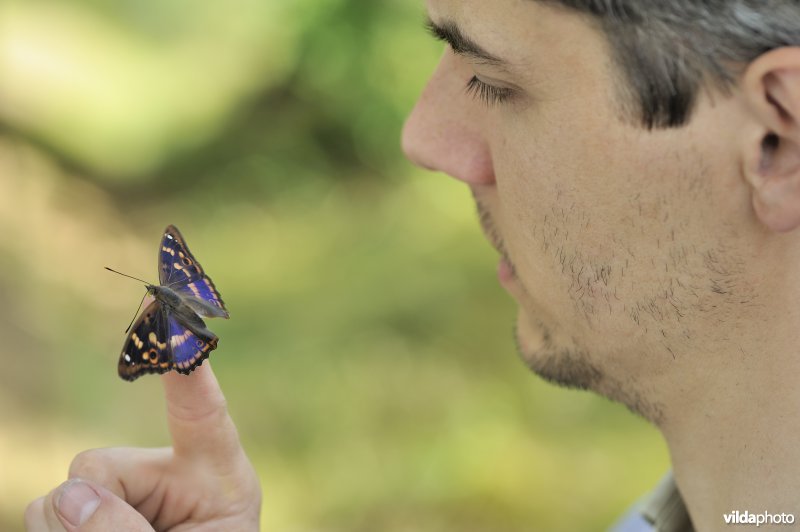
667	50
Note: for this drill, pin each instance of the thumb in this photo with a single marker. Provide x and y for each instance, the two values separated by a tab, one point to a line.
78	505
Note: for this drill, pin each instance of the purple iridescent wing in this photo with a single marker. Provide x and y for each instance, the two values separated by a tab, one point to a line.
180	271
146	349
170	333
188	348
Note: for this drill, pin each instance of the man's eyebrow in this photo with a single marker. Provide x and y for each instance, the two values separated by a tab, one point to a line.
449	32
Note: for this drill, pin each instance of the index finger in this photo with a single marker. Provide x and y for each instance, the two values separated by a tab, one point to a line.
197	415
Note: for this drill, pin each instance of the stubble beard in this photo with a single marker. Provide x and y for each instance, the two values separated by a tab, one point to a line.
567	366
574	368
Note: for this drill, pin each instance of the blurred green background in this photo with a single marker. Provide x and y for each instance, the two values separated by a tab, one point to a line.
368	362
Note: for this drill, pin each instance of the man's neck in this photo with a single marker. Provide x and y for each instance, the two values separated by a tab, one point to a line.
735	448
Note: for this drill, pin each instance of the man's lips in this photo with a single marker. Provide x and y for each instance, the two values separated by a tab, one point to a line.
505	272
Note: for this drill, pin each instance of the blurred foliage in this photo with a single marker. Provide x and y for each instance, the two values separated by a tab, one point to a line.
368	361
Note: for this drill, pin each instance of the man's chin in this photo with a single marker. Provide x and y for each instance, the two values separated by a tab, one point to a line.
561	362
563	365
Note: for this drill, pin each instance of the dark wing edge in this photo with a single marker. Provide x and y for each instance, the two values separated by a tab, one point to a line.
146	349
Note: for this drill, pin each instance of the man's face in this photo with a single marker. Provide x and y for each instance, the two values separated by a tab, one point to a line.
624	248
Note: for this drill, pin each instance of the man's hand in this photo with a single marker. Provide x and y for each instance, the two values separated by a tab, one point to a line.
204	482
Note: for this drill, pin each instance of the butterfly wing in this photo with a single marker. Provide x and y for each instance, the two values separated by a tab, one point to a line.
180	271
147	348
189	348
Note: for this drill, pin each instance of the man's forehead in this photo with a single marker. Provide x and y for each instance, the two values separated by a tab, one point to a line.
473	12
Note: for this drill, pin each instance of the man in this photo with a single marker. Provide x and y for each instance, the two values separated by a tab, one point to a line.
637	166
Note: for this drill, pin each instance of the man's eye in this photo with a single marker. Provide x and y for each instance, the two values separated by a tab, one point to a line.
488	94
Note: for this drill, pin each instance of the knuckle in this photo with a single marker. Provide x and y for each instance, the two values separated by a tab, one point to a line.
34	514
213	410
31	509
91	464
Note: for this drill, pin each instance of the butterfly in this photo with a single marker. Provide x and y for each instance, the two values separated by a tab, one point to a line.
170	333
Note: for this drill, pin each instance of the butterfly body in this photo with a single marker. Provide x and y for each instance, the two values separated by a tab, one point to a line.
170	333
182	308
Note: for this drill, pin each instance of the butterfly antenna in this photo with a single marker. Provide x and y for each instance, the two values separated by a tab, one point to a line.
135	313
126	275
140	302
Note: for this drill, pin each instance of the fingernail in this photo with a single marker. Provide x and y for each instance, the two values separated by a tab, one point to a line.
77	501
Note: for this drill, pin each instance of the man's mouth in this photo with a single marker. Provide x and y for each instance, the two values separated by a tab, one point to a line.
505	272
505	268
489	228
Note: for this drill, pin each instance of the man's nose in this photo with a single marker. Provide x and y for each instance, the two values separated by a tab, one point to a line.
443	132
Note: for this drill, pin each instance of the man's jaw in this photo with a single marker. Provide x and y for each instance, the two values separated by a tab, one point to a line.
559	361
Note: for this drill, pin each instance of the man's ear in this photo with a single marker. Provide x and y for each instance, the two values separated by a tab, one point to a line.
771	88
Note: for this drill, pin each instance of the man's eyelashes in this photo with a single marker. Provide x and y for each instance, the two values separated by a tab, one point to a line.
488	94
